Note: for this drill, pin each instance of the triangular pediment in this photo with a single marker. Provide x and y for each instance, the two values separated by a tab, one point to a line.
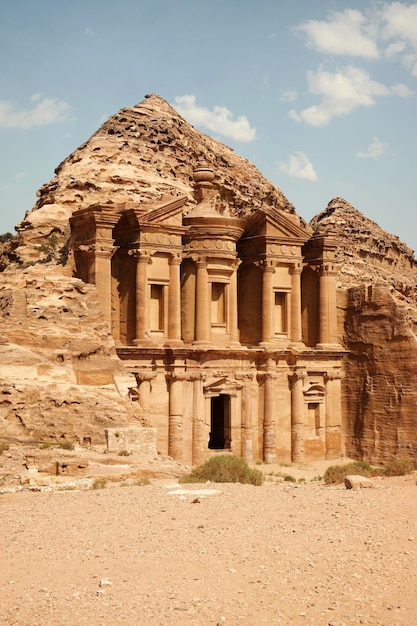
223	386
166	212
275	224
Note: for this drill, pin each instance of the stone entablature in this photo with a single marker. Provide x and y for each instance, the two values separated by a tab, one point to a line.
275	406
228	323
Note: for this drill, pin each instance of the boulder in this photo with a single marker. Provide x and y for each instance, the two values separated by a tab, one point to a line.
355	482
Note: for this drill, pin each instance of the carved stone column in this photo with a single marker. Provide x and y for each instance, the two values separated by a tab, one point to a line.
324	307
174	300
269	418
267	304
232	306
333	415
246	416
296	333
102	279
328	307
142	297
176	410
202	321
143	380
200	431
297	417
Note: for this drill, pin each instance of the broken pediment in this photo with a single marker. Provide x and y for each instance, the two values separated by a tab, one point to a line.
168	213
274	224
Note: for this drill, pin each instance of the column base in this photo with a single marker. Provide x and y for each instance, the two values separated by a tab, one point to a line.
266	344
234	344
329	346
298	346
144	342
173	343
202	343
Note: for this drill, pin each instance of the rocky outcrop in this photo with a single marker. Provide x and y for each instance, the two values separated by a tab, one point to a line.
377	324
60	377
143	153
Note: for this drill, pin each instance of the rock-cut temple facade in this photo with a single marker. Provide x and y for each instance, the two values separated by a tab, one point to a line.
229	324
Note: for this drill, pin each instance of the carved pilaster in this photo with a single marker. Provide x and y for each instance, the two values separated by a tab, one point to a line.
267	303
297	416
202	322
174	301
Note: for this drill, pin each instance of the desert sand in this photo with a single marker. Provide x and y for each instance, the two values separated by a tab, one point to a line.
169	554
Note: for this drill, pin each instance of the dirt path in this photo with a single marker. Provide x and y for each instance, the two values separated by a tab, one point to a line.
283	553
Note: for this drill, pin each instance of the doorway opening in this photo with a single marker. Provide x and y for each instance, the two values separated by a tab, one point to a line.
219	423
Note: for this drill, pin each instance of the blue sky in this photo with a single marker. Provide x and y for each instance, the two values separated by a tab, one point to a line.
320	96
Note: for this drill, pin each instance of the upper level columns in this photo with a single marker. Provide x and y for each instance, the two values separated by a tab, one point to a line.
174	300
232	307
327	306
267	303
296	332
142	308
102	279
202	313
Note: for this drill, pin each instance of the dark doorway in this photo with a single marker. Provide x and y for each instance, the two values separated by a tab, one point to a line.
220	423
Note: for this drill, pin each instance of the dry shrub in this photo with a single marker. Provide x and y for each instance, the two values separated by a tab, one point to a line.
337	473
224	469
397	467
3	447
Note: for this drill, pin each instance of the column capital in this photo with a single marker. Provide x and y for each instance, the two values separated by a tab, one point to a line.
268	266
177	376
296	268
296	376
201	261
333	376
144	376
175	258
143	256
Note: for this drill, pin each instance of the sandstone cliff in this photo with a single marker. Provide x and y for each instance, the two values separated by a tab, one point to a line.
377	322
60	376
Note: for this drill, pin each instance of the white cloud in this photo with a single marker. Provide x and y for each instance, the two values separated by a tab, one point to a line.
395	49
46	111
219	120
401	90
375	150
298	166
89	32
289	95
343	33
341	93
400	21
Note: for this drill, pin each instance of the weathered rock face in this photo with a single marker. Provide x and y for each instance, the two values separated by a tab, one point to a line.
378	317
141	154
60	376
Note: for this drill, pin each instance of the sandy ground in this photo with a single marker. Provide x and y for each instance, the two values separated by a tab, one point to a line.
167	554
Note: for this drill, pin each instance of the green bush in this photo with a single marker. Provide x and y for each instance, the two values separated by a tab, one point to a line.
224	469
290	479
